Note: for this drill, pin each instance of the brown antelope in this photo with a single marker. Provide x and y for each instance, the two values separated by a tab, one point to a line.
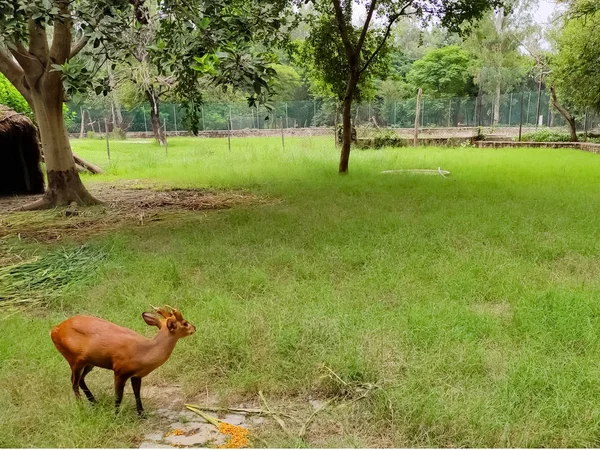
87	342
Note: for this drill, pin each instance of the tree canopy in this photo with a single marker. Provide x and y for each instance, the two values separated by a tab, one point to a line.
444	72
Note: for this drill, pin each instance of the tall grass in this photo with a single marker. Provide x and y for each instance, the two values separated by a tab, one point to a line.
472	300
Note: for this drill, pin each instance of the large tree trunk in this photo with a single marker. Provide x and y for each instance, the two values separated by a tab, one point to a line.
64	185
497	105
159	134
568	117
347	121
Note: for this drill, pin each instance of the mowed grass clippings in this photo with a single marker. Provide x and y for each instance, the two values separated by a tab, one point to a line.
472	301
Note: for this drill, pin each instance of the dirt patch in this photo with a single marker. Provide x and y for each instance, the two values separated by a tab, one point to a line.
131	203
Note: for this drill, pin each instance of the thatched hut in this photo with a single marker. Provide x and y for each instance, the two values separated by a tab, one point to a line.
20	171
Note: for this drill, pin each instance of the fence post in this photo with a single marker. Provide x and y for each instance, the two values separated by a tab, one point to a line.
416	137
144	116
585	125
422	106
175	119
107	144
509	109
449	111
539	104
229	134
528	103
202	113
335	126
287	125
282	140
166	140
314	112
82	129
230	121
395	113
521	118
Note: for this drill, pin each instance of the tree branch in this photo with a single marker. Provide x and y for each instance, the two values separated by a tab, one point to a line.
78	46
363	33
385	36
61	41
38	41
14	73
23	57
569	118
339	14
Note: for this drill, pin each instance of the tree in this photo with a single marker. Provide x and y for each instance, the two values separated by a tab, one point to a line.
37	40
574	66
362	46
443	71
495	42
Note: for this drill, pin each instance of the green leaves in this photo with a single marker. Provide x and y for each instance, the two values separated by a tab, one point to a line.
575	68
443	71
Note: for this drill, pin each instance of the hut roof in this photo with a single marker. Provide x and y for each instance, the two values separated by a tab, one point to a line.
11	120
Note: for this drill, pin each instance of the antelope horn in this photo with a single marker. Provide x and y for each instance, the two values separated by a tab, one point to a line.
163	312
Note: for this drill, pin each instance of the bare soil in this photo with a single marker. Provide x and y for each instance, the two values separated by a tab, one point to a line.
126	204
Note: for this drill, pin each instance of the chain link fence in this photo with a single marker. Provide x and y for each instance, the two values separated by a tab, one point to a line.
312	119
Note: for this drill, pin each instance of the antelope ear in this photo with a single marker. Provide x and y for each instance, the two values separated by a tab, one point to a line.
171	323
151	319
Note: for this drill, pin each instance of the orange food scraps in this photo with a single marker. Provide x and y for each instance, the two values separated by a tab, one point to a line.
175	432
238	435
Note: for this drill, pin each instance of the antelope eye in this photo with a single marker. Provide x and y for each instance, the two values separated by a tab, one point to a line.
185	324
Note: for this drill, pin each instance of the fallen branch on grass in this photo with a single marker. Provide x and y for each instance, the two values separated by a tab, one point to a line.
302	431
83	164
257	411
278	419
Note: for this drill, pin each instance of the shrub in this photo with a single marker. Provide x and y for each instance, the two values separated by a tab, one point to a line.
547	135
11	97
117	134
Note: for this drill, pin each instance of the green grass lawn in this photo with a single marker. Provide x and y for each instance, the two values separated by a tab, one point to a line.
474	301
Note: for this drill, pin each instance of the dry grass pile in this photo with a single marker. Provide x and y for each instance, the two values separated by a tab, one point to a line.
124	206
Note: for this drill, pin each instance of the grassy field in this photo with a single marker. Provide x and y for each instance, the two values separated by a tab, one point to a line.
473	300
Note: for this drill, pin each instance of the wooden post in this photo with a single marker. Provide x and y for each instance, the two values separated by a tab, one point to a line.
509	109
418	110
175	119
521	118
449	111
229	134
82	129
202	113
107	144
539	103
335	126
166	140
585	125
282	140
